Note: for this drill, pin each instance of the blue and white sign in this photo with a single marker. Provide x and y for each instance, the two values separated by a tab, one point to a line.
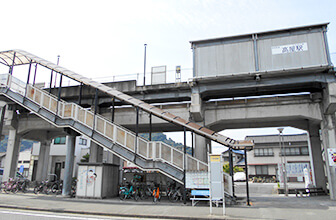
21	169
291	48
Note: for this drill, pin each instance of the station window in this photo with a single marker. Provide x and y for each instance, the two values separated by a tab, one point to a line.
59	140
82	141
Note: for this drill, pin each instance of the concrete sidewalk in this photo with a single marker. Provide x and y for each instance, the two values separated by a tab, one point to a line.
267	207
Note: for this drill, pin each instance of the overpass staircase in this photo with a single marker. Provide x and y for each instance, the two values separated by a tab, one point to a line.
148	155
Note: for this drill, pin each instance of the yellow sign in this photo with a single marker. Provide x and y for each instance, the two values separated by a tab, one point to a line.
215	158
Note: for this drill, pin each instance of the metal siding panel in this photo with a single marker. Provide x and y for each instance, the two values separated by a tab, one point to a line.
314	56
225	59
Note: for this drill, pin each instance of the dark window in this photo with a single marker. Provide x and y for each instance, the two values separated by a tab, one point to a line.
26	161
261	170
20	161
263	152
295	151
82	141
63	165
304	151
1	172
59	140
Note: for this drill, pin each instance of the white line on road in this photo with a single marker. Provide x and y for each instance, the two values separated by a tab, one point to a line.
48	216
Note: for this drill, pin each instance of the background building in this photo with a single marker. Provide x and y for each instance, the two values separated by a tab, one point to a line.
263	160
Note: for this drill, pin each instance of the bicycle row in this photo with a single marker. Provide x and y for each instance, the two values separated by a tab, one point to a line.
139	190
45	186
14	185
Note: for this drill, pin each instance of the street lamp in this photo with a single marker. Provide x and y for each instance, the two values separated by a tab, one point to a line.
145	65
283	158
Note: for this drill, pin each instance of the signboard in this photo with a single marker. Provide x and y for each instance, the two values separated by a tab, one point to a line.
21	169
292	169
296	169
290	48
332	156
197	180
159	75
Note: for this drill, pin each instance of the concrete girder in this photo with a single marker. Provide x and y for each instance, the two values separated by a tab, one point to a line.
329	99
294	114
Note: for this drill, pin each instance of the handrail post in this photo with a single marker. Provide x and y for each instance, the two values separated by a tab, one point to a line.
136	133
35	74
113	103
95	110
28	79
51	79
192	144
184	166
231	169
150	126
80	94
59	93
246	174
12	66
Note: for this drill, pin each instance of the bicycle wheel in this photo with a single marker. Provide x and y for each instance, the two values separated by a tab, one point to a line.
54	188
15	189
136	196
36	189
142	194
7	190
45	189
122	195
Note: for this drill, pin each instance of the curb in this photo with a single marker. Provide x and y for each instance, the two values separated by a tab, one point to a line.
109	214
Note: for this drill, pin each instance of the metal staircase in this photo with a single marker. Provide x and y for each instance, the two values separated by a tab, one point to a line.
149	155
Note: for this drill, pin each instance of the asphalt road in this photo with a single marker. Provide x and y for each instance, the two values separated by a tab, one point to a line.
6	214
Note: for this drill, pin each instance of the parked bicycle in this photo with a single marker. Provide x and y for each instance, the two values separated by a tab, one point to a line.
10	186
42	187
128	192
174	194
156	192
22	185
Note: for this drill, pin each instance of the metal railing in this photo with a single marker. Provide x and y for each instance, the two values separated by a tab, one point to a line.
149	150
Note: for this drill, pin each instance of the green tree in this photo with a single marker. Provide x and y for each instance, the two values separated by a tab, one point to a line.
226	168
85	158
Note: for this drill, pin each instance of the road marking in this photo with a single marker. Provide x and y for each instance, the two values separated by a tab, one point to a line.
48	216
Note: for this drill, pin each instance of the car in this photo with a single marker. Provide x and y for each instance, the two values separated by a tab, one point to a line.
239	176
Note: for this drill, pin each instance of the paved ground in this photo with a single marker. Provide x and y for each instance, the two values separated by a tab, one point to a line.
264	206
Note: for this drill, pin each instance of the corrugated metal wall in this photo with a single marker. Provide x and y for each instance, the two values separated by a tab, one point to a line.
268	51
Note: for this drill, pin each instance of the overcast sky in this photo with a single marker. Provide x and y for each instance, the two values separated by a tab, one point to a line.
105	38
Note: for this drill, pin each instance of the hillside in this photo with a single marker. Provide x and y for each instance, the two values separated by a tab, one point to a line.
162	137
25	144
28	144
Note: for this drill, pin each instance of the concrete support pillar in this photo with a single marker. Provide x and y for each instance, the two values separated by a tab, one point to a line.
317	163
12	155
69	163
329	141
109	157
202	147
96	153
196	111
43	161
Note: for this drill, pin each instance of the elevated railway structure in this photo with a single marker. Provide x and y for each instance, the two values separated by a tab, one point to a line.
269	79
